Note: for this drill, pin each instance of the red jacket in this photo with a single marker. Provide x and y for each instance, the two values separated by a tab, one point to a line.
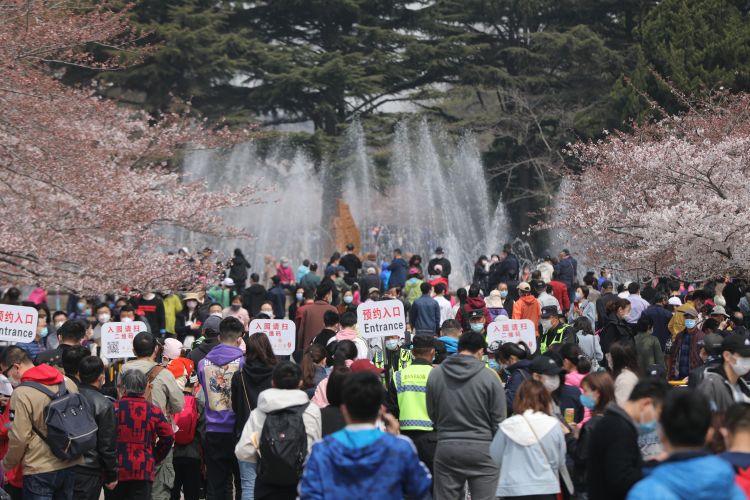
473	303
144	438
560	291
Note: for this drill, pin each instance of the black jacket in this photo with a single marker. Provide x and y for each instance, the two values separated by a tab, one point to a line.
204	348
444	263
253	297
257	378
238	269
352	264
697	375
601	308
615	330
614	458
102	460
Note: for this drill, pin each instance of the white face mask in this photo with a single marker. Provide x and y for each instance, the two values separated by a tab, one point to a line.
269	313
103	318
546	324
126	320
551	382
742	366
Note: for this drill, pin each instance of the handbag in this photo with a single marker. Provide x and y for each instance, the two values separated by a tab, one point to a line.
562	471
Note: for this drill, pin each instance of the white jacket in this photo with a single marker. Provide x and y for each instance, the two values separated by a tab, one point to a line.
272	400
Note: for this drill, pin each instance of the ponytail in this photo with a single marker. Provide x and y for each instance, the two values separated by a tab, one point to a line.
508	349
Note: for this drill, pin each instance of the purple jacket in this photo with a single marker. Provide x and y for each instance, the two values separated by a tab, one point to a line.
215	373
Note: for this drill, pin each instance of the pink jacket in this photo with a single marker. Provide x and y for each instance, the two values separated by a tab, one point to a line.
574	379
285	274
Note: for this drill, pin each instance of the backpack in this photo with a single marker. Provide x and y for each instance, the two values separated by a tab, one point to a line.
187	421
742	479
71	428
283	447
150	377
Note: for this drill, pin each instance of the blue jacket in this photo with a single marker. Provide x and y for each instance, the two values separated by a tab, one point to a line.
353	464
660	316
398	269
689	475
277	297
566	271
518	372
424	315
451	344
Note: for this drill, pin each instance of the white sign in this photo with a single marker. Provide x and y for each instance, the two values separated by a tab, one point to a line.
512	330
117	338
381	319
281	332
18	323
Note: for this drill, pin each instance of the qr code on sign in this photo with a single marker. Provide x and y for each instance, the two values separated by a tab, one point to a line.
113	347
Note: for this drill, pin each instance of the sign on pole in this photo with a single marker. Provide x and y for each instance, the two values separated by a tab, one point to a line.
18	323
512	330
381	319
282	333
117	338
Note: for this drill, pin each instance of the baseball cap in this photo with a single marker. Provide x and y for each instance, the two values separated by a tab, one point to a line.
712	343
736	343
524	287
539	285
228	282
674	301
719	310
476	313
545	366
211	324
373	289
371	270
549	311
690	311
365	365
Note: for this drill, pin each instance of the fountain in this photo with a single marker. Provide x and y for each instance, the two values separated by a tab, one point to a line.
435	194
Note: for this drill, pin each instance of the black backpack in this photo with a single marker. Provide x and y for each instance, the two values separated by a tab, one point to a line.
71	428
283	447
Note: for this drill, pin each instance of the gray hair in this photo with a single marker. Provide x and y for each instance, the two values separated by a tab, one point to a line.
132	382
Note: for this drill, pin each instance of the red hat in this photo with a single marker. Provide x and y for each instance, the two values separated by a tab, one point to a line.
365	365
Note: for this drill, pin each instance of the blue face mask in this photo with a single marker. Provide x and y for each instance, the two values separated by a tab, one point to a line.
494	365
690	323
348	299
587	401
391	345
44	332
477	327
298	296
647	427
503	293
81	306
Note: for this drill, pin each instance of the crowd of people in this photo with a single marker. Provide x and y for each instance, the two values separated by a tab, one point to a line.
633	389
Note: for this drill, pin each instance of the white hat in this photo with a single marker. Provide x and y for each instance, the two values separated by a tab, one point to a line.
674	301
371	270
228	282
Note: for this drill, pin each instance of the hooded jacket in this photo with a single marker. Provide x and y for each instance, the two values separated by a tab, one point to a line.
465	399
202	349
530	449
472	303
271	400
716	387
527	307
358	460
693	475
27	405
517	373
257	378
349	334
215	373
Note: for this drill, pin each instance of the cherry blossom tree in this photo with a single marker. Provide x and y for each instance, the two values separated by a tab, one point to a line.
672	195
87	195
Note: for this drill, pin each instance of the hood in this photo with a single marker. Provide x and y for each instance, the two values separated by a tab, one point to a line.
476	302
518	428
461	367
346	334
277	399
451	344
351	463
256	372
223	354
701	478
527	299
208	344
43	374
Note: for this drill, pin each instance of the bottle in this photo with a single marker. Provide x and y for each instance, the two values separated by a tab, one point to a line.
570	415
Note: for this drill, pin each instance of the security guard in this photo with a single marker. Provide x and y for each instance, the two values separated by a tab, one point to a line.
409	392
393	358
554	329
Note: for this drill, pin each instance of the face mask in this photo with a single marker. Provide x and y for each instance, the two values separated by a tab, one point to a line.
298	296
551	382
191	304
690	323
87	312
741	367
266	312
646	427
59	324
546	324
495	365
476	327
587	401
391	344
217	314
103	318
503	293
44	332
348	299
236	307
126	320
579	296
81	306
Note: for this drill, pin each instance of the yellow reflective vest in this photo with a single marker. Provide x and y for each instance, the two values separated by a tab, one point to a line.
411	391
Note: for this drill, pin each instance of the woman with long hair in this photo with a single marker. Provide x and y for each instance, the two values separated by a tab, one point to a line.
625	370
254	378
514	360
615	327
313	368
530	447
344	355
588	342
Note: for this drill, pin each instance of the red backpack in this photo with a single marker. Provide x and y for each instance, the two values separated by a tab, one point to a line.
187	421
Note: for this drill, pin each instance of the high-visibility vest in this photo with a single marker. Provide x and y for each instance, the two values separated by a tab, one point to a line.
411	391
405	358
553	337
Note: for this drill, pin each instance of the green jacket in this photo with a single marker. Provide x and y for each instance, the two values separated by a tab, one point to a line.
649	350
